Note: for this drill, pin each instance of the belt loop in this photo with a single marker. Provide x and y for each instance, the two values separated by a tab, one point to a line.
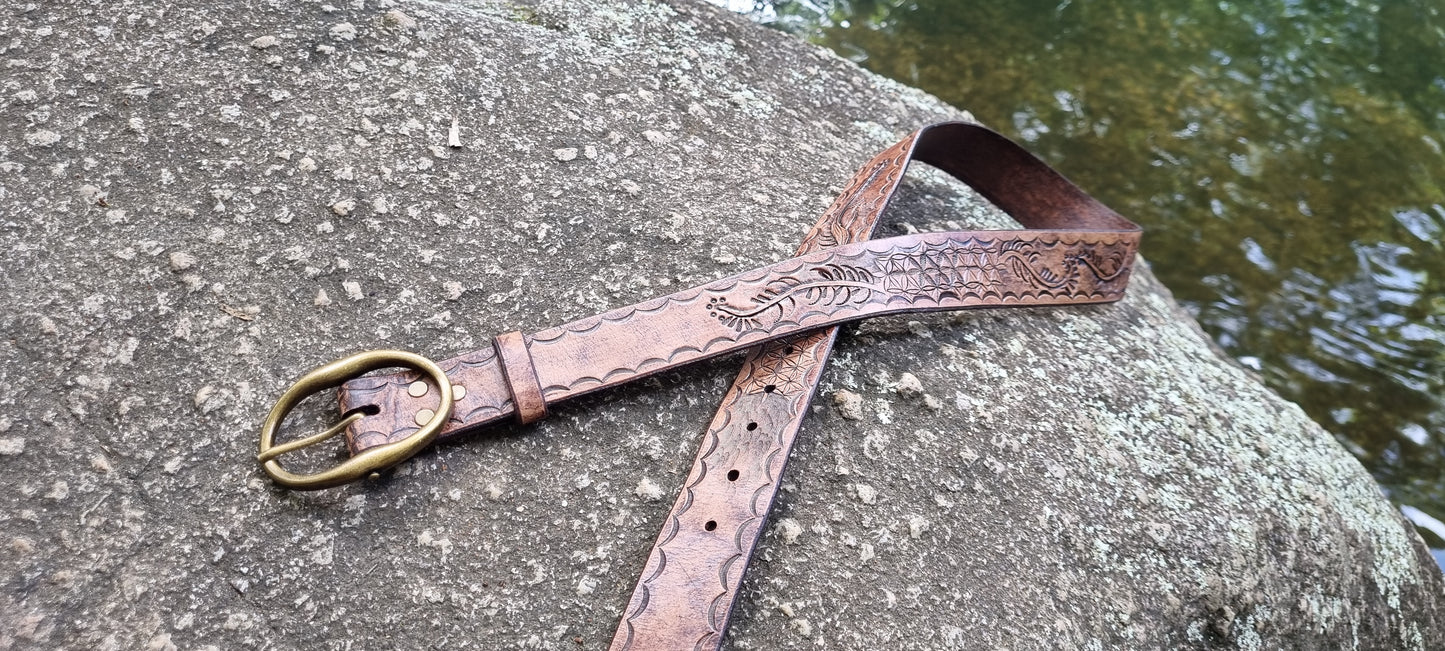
521	377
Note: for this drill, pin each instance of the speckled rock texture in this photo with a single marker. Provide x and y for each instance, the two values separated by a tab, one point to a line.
200	201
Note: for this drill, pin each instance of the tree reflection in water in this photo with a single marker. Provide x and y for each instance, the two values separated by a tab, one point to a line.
1283	155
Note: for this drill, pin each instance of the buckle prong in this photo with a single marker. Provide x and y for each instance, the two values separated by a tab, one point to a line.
310	440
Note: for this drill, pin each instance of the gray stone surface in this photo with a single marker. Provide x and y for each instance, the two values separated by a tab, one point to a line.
200	201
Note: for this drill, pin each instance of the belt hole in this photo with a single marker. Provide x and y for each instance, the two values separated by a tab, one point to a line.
752	426
733	475
369	410
788	350
770	388
711	524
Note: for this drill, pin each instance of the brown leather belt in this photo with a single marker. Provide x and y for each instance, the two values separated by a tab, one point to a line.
1074	250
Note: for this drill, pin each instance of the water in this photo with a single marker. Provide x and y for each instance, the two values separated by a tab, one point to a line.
1283	156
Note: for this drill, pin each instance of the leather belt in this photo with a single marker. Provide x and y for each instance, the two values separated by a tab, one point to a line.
1073	250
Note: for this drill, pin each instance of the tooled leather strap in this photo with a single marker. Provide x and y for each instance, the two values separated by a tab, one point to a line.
685	594
1076	250
1079	252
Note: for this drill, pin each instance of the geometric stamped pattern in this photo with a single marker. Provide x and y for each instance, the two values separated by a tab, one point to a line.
931	273
783	367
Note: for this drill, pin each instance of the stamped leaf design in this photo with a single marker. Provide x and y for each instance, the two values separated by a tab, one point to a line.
826	285
1023	259
839	284
955	269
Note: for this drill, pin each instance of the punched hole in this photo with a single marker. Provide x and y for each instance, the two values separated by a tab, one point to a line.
711	524
369	410
770	388
733	475
752	426
788	350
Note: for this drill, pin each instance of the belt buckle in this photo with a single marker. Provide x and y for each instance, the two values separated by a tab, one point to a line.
333	375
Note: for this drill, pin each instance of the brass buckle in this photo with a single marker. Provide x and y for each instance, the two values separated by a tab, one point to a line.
377	458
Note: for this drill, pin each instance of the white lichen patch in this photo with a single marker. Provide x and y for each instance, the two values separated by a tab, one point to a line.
648	490
790	530
866	494
42	138
11	446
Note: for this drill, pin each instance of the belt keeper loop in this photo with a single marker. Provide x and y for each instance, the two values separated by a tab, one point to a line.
521	377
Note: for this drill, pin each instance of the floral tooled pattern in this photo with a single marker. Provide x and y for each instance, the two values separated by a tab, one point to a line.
854	214
971	268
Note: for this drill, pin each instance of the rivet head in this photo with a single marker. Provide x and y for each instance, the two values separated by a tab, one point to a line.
424	416
458	392
417	389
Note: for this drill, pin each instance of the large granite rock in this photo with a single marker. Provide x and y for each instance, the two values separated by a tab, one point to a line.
200	201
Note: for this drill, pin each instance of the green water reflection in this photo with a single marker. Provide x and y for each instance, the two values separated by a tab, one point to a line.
1284	157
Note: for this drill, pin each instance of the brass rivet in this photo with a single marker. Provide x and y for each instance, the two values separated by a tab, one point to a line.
458	392
424	416
417	389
